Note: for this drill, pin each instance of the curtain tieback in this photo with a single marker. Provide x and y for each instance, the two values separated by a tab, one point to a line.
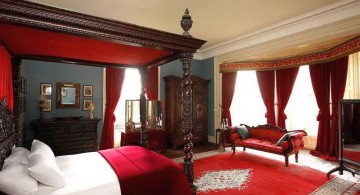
284	115
334	117
113	117
266	114
319	116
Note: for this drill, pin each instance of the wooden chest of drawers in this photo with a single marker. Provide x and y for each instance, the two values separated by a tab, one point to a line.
67	136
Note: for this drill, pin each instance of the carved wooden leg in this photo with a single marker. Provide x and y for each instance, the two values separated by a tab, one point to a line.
244	148
297	157
233	148
286	160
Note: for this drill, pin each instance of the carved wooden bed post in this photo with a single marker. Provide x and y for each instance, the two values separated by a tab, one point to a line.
16	62
186	104
143	137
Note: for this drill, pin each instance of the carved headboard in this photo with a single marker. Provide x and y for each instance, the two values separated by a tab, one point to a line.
8	136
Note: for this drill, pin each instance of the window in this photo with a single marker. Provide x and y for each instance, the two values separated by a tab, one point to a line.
302	109
247	106
131	90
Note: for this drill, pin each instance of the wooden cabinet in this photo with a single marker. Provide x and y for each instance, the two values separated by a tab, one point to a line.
67	135
173	126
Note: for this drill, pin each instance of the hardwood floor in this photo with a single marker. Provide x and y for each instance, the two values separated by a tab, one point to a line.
198	148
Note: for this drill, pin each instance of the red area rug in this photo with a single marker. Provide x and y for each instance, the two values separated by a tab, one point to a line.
246	173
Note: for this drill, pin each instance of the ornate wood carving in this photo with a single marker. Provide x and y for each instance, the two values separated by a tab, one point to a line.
187	117
8	134
40	16
16	62
143	140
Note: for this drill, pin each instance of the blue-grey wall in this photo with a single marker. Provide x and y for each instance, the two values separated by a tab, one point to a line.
37	72
201	68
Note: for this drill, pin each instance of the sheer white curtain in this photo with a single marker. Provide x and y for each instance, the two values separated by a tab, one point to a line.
130	91
247	106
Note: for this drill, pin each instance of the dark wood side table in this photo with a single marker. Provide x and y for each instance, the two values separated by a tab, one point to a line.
156	139
224	138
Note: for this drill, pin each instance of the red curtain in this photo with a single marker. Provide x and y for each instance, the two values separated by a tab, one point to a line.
6	84
285	80
228	88
114	82
266	82
338	73
320	79
152	83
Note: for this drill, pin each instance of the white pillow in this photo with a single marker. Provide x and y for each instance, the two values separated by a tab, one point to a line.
15	179
45	170
39	147
18	155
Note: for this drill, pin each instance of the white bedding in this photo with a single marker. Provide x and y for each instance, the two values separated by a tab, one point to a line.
85	174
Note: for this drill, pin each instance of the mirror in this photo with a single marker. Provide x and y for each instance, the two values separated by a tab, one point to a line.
350	126
349	137
132	114
67	95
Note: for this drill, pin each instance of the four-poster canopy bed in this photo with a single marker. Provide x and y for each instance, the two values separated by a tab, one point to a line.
39	32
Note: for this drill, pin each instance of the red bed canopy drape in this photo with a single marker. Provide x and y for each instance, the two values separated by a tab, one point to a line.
114	82
228	88
321	76
285	80
6	84
266	81
152	83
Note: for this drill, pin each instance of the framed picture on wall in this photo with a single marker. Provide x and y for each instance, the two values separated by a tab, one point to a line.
45	89
86	104
88	90
23	85
47	105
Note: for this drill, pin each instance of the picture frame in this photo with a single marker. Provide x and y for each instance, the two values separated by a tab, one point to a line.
47	105
45	89
86	102
87	90
23	85
23	104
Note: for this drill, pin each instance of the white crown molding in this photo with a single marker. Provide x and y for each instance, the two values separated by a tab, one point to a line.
314	20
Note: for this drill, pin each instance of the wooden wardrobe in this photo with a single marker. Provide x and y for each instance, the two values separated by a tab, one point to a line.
173	126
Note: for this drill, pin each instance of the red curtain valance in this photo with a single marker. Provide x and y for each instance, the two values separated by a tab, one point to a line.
339	51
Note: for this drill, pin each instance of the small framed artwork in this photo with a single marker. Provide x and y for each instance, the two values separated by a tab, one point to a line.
88	90
23	85
45	89
86	104
47	105
23	104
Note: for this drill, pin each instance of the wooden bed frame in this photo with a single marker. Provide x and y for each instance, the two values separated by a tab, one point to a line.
37	17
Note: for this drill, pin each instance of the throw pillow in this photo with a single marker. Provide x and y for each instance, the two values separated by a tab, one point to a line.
242	130
18	155
46	171
283	138
39	147
15	179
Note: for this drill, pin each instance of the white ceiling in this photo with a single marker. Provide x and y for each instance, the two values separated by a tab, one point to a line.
238	30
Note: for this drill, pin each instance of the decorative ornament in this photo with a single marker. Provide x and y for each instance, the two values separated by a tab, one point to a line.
186	23
91	108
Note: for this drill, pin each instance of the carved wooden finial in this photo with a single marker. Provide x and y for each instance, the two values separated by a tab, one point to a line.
186	23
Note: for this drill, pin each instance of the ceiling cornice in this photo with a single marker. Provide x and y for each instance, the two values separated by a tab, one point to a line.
324	17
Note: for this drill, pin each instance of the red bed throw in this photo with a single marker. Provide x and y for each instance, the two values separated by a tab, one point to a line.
141	171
